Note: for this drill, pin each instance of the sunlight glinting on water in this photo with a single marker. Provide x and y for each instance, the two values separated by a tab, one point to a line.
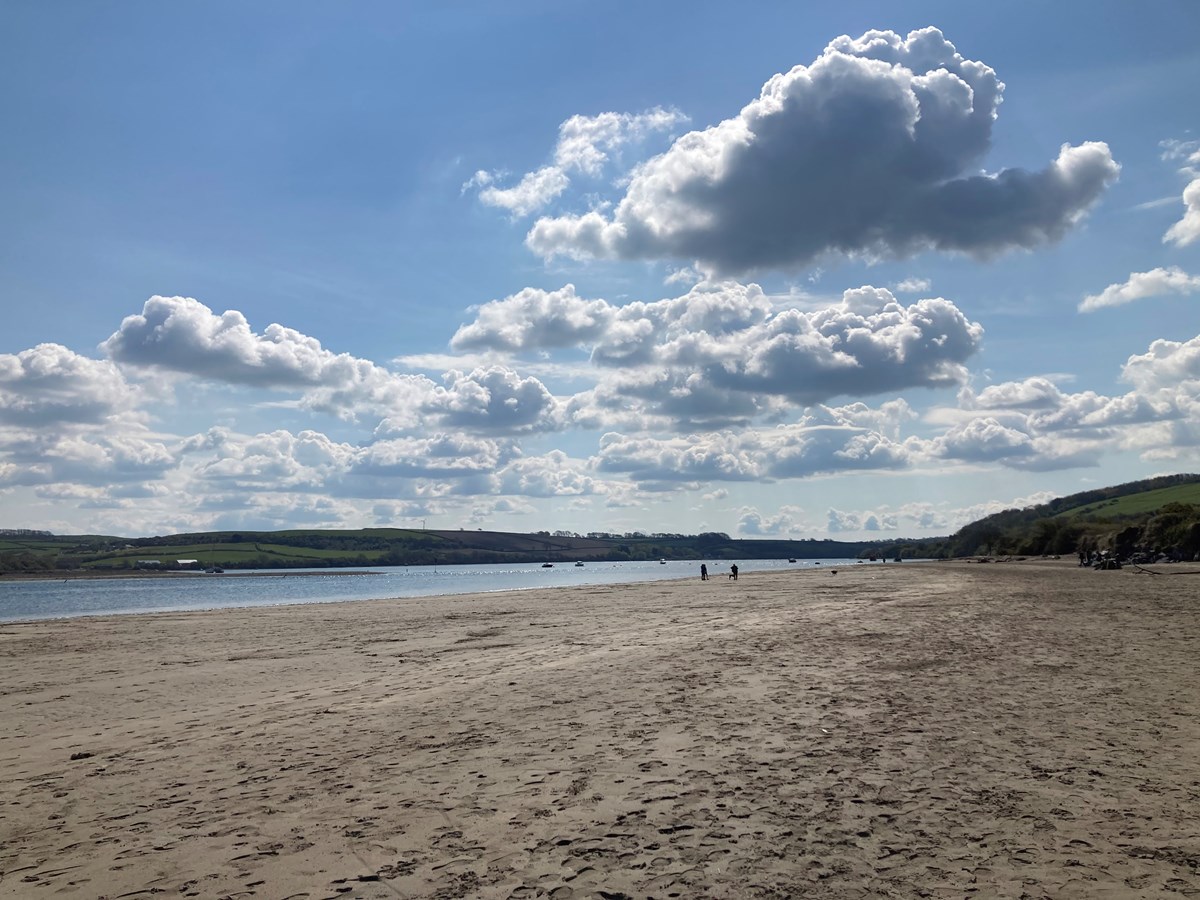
49	599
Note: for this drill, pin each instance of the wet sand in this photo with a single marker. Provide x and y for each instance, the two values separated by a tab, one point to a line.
937	730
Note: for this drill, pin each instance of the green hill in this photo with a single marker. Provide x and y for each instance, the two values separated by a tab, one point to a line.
1151	517
1137	504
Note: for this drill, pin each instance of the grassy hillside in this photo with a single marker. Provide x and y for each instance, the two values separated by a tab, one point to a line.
1148	518
1138	504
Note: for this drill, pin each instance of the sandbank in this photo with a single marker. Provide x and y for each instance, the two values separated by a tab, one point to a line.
933	729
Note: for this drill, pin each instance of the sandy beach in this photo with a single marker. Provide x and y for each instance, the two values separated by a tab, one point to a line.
935	730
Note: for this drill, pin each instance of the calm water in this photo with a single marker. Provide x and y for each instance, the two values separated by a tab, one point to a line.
23	600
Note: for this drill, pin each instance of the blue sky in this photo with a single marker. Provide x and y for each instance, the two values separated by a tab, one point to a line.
856	270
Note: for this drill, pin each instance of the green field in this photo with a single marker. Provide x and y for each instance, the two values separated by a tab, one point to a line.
232	555
1136	504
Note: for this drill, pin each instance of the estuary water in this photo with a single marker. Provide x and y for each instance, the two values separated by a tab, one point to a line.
53	599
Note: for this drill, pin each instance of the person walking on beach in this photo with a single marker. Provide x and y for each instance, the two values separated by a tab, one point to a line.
704	571
733	571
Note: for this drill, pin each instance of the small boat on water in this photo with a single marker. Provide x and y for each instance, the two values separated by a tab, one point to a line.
578	563
547	565
662	562
791	560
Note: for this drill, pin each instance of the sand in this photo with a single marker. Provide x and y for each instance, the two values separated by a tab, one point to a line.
935	730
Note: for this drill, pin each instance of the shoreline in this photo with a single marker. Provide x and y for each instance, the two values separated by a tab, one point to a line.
203	591
945	727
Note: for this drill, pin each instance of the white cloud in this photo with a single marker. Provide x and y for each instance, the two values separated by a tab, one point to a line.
753	523
584	145
714	457
837	521
1187	229
983	440
483	512
805	449
1034	425
1140	285
531	193
1032	393
553	474
1037	407
238	511
50	384
1166	365
871	150
1175	149
388	512
278	460
441	456
584	142
722	354
826	440
535	319
184	335
921	517
645	399
868	345
914	285
179	334
84	459
494	399
684	275
457	465
408	474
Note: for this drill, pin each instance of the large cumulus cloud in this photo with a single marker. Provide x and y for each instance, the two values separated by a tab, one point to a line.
439	456
51	384
824	440
873	149
180	334
534	319
276	460
723	355
184	335
1172	366
552	474
1034	424
494	399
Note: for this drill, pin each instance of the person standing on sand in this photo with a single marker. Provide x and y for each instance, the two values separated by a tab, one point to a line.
733	571
704	571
